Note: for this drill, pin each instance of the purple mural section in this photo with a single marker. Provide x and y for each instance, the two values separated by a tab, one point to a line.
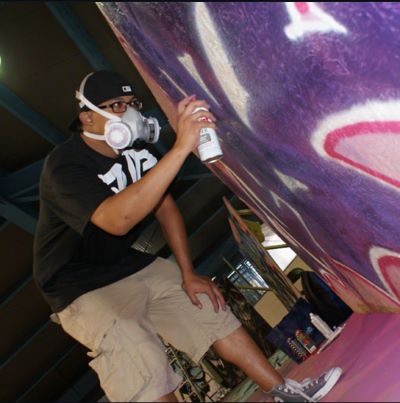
307	97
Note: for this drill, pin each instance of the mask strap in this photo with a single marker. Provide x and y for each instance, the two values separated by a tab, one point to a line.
86	102
94	136
99	137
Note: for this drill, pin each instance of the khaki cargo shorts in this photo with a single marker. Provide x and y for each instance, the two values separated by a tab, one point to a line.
119	323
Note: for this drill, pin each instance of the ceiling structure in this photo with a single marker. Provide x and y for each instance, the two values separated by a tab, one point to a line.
46	49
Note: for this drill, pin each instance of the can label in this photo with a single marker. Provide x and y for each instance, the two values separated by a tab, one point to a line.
204	136
209	148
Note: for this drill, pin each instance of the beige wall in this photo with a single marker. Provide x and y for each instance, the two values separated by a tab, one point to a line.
297	262
269	306
271	309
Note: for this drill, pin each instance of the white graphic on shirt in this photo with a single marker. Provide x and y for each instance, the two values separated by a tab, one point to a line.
138	162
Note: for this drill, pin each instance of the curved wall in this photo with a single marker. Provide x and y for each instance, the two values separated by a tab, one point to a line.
307	97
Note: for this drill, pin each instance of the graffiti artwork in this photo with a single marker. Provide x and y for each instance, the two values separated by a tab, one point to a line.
307	99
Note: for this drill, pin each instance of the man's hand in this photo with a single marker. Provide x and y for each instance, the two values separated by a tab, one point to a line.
188	124
195	284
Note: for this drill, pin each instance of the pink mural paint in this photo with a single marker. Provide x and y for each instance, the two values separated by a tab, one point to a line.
302	7
390	268
307	18
387	266
372	147
370	295
367	351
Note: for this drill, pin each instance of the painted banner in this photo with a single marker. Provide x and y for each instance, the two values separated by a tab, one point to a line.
307	97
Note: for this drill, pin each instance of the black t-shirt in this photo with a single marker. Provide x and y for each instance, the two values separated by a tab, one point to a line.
71	255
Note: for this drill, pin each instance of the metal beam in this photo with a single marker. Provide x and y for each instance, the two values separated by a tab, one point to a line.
30	197
12	103
26	217
8	297
210	266
3	224
9	357
64	15
22	181
85	384
52	368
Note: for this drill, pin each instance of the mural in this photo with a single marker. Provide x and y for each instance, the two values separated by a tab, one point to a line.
307	98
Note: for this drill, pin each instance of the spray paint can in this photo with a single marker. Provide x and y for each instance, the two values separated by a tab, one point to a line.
209	148
305	341
322	326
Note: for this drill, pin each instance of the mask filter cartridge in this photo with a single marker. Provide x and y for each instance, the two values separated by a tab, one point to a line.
132	126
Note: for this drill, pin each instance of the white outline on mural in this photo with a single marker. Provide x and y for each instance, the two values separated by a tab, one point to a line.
291	183
187	62
218	59
174	83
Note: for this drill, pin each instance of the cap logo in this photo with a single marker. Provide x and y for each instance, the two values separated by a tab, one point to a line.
126	88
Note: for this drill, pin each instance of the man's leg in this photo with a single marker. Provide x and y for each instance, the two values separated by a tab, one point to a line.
240	349
194	330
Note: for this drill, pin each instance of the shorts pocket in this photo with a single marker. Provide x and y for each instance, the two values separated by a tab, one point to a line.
120	376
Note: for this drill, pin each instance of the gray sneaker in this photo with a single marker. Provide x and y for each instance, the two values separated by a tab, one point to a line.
310	390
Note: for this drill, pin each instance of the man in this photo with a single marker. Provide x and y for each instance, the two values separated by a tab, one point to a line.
112	298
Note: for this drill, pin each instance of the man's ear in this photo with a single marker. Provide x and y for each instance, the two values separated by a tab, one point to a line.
86	118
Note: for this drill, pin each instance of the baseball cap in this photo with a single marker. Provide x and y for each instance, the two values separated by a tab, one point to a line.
99	86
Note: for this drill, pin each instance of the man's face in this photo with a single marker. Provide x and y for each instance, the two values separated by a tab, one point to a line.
94	122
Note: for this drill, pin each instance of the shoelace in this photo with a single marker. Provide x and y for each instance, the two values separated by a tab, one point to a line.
310	383
296	387
306	381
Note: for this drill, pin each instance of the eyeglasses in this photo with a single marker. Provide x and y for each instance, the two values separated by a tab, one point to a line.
121	106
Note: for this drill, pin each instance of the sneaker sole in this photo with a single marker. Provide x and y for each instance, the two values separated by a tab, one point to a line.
330	383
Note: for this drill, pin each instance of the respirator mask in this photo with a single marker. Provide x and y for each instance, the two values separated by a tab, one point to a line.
122	132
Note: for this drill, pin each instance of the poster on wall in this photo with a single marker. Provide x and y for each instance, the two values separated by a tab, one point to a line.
252	249
254	323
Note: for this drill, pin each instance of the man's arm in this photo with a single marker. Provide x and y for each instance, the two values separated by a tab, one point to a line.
172	224
119	213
